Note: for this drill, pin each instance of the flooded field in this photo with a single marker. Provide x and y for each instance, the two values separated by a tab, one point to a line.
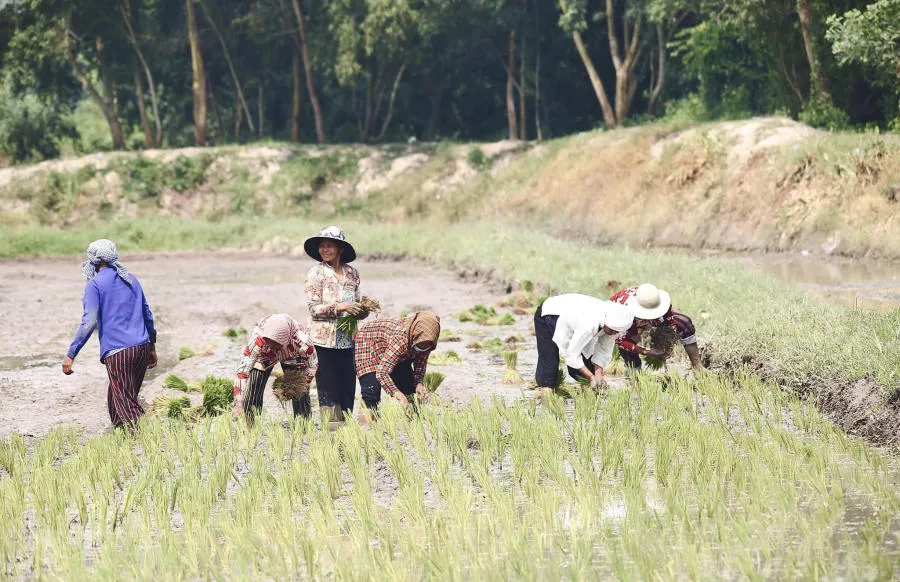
850	282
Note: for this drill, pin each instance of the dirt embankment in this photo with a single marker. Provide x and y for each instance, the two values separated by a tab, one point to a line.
761	184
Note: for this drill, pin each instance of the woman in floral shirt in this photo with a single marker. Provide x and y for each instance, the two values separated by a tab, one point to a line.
275	338
332	291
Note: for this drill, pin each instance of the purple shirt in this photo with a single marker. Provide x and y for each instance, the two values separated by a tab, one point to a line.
118	310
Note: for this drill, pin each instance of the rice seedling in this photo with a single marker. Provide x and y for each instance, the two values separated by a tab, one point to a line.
173	382
511	374
218	395
483	315
433	380
348	323
493	345
185	352
444	358
170	407
448	335
233	332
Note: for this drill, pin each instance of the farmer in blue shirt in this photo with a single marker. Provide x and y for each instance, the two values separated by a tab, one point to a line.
114	303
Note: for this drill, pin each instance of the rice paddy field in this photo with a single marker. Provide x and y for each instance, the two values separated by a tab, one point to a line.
666	478
741	472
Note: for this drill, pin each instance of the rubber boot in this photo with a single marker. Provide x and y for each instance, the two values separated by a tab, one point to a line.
332	417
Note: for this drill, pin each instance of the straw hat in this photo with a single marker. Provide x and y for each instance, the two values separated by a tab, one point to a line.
649	302
311	246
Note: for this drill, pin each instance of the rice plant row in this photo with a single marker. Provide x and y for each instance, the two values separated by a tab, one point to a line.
702	479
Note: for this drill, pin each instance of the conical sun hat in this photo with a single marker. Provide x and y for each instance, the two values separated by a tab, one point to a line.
649	302
311	246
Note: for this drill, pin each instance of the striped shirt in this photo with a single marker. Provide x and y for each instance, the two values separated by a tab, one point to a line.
383	344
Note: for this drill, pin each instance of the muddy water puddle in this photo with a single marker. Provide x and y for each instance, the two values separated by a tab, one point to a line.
849	282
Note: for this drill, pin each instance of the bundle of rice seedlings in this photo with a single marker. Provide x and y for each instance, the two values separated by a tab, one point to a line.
235	332
173	382
185	353
617	364
194	413
433	380
347	324
662	338
512	340
170	407
511	374
505	319
444	358
492	345
369	304
291	385
527	286
218	395
448	336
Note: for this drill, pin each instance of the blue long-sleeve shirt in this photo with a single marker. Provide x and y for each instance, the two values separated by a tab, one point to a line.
118	310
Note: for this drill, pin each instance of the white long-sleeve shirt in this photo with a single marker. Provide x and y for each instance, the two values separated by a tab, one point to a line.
579	329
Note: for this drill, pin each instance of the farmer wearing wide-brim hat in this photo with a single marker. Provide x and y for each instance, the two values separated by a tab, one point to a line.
580	330
332	291
276	338
652	308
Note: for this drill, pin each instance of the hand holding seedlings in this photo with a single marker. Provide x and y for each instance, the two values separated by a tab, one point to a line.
352	308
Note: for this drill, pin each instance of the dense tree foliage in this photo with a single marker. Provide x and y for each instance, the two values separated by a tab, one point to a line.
185	72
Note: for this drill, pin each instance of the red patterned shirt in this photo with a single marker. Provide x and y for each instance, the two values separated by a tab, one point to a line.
299	352
683	325
380	346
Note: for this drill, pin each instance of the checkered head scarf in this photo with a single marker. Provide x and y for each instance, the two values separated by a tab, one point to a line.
103	252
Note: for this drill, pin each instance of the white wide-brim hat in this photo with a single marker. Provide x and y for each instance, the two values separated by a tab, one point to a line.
649	302
311	246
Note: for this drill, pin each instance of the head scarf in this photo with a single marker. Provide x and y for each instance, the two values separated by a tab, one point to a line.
424	326
618	317
279	327
103	252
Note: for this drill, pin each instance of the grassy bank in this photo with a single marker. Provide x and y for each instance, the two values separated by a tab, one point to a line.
744	316
764	184
706	480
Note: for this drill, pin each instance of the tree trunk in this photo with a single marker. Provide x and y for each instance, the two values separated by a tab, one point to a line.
390	112
537	96
609	116
199	76
259	110
819	86
523	130
298	97
626	84
154	101
237	119
310	80
142	108
656	85
106	104
228	61
510	88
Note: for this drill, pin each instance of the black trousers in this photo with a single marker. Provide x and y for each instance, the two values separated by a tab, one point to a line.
631	359
546	375
253	400
336	377
370	387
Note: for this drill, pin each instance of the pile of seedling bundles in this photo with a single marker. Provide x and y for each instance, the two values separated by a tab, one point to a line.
218	397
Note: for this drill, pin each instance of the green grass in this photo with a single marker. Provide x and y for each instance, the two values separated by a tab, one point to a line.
708	480
744	316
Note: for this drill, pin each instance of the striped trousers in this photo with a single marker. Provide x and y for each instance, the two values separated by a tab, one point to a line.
126	371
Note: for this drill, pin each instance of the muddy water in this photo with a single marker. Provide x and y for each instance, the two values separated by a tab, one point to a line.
849	282
195	298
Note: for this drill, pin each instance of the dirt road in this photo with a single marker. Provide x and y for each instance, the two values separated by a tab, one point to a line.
195	298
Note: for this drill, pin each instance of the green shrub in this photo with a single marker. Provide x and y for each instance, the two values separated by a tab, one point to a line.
477	159
31	128
821	113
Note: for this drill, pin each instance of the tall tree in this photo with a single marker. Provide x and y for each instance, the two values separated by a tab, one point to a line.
819	87
199	75
303	45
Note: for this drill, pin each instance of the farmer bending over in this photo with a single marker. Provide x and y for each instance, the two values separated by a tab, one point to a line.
581	329
114	303
276	338
652	307
392	354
